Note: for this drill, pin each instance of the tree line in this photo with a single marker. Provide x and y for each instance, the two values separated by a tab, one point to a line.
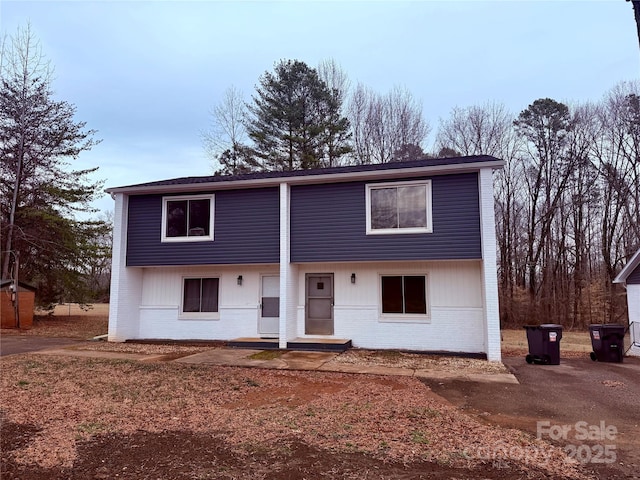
302	117
567	200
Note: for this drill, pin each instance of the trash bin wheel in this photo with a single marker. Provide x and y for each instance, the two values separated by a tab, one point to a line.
593	356
529	359
546	359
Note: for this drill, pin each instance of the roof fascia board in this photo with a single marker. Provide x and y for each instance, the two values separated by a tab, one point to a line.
310	179
628	268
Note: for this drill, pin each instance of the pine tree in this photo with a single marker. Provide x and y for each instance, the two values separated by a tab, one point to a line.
294	120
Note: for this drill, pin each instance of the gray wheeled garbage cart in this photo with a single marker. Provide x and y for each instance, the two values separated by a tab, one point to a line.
544	343
607	341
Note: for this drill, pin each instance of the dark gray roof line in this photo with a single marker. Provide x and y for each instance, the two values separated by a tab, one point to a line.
324	175
7	282
628	269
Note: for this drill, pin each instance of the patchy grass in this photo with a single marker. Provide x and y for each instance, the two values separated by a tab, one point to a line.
267	355
573	344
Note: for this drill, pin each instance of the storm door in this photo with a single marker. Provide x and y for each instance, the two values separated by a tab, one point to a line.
269	321
319	305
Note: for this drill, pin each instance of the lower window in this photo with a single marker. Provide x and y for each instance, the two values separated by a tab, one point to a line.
200	295
404	294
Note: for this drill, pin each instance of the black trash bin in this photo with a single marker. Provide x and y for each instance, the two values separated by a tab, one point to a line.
607	341
544	343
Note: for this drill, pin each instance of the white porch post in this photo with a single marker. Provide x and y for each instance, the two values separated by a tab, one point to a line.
489	266
126	283
288	272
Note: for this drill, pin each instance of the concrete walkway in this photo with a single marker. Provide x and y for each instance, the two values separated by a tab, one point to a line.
14	344
290	360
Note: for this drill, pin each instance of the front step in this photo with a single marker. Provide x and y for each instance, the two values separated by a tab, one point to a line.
302	344
255	343
320	344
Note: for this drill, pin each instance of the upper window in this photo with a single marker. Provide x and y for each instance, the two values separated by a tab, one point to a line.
402	207
187	218
404	294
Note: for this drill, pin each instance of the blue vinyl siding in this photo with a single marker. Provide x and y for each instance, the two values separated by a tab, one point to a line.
634	277
328	223
246	230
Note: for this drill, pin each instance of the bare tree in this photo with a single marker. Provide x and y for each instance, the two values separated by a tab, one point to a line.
358	111
567	201
337	140
578	213
479	130
384	126
332	74
225	142
545	125
488	130
615	148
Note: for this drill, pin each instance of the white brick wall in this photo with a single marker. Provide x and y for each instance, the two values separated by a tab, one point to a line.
633	304
126	283
238	304
288	272
489	263
450	329
165	323
455	324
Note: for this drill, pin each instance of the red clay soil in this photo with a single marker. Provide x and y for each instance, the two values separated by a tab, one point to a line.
186	455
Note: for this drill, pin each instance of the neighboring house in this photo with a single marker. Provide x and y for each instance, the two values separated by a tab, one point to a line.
399	255
630	278
24	297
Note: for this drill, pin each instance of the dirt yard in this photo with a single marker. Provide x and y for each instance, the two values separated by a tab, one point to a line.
78	418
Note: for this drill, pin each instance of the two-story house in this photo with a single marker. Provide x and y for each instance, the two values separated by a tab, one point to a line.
400	255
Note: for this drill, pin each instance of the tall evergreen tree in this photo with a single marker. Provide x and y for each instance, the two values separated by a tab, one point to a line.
295	121
40	194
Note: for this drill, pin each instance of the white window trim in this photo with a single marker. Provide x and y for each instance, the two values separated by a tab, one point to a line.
203	238
399	231
404	317
182	315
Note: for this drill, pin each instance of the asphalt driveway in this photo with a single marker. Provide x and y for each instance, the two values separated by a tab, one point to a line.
592	409
12	344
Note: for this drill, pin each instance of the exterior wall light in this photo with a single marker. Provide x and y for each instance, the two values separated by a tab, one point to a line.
239	279
353	278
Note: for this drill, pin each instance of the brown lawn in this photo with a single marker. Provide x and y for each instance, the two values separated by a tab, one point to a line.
70	321
572	344
65	417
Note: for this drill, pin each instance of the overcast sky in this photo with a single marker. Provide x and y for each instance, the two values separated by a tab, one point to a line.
145	74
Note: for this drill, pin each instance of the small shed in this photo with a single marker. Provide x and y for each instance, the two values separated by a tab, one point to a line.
630	278
25	296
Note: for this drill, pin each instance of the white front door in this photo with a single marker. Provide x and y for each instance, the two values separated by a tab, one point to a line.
269	321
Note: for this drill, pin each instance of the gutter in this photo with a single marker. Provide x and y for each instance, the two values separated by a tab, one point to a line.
308	179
